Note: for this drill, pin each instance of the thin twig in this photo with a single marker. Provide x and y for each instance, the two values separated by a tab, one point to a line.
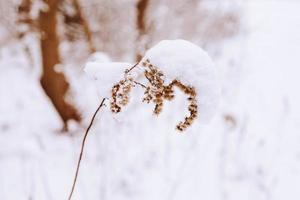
128	70
82	147
141	84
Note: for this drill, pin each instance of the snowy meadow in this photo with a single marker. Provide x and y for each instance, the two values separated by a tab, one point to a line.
188	100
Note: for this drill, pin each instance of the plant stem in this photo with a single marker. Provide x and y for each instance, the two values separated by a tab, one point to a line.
141	84
128	70
82	147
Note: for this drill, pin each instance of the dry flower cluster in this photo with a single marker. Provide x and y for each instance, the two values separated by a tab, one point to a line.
120	94
155	92
193	107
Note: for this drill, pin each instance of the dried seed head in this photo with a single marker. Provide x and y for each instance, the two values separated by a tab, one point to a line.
148	96
155	92
120	93
193	108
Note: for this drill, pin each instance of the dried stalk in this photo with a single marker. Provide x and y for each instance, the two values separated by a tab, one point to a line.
129	70
82	147
155	92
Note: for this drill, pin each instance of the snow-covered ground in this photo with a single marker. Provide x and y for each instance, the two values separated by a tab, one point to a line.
251	149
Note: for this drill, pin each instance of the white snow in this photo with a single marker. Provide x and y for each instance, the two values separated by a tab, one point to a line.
177	59
106	74
141	157
185	61
99	57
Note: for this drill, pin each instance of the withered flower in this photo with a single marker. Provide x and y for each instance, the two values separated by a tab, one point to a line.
155	92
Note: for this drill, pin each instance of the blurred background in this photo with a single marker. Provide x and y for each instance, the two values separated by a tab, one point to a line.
250	150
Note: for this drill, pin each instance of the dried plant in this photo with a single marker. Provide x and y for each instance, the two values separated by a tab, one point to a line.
82	148
155	92
156	87
120	94
193	107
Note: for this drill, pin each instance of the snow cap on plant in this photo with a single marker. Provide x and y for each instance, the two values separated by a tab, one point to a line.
186	62
169	64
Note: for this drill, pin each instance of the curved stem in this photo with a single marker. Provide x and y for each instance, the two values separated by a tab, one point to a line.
82	148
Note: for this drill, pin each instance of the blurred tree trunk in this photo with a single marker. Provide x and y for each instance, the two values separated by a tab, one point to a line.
53	82
86	28
141	8
75	23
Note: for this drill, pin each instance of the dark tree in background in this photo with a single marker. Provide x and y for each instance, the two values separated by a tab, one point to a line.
53	82
141	8
75	23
